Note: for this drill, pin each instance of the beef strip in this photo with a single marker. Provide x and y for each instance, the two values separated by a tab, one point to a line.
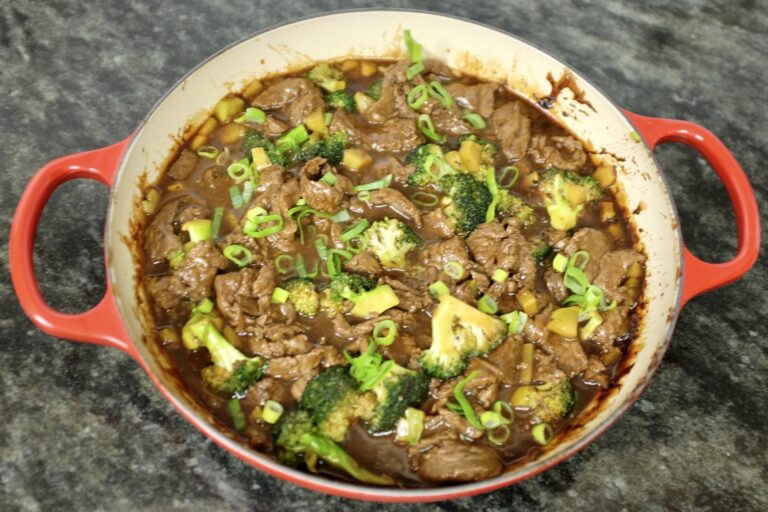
613	268
363	263
295	366
395	134
195	275
457	461
568	353
411	299
184	165
160	240
319	194
512	127
398	202
436	225
595	243
478	98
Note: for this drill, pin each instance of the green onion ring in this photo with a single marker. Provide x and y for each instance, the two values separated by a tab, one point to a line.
438	289
475	120
238	417
209	152
506	170
281	268
499	435
428	128
271	412
437	91
487	304
250	226
454	270
417	97
575	280
542	433
236	197
574	259
329	179
425	199
364	196
238	254
218	215
239	171
341	216
388	338
374	185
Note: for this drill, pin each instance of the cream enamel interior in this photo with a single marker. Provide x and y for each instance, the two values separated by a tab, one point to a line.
465	46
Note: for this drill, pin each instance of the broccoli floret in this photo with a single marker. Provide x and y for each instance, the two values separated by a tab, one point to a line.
470	199
331	148
399	389
367	298
374	90
297	438
541	251
547	402
390	240
231	372
459	332
327	77
565	194
511	205
254	139
302	293
430	165
340	99
332	401
346	286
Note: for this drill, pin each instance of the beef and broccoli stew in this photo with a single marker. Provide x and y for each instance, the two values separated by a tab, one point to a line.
388	272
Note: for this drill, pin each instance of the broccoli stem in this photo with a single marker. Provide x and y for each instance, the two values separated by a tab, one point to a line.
223	354
334	455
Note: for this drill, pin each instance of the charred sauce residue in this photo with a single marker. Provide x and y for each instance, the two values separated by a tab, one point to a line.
566	81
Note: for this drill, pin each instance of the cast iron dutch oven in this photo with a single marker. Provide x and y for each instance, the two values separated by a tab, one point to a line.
674	274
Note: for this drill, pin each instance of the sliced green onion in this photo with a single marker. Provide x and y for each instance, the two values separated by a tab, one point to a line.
374	185
218	214
334	261
354	231
301	202
425	199
466	408
327	118
239	171
417	97
329	179
542	433
428	128
272	411
341	216
301	268
575	280
322	250
574	260
492	419
236	197
284	263
515	174
505	410
454	270
291	140
493	187
209	152
595	320
175	258
487	304
238	416
414	52
238	254
252	115
437	91
279	296
364	196
247	192
560	262
500	275
635	136
390	326
516	321
198	229
410	426
499	435
438	289
251	225
414	70
255	212
205	306
475	120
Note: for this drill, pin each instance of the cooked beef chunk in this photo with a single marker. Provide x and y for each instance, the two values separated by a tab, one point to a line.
319	194
395	134
459	461
478	98
294	98
363	263
160	239
195	275
513	129
184	165
561	151
398	202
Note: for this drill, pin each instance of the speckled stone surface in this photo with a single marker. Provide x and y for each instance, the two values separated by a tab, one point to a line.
82	427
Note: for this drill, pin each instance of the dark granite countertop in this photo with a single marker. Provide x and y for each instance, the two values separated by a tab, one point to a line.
82	427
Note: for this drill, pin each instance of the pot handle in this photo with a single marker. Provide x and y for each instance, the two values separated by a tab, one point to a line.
101	324
698	275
